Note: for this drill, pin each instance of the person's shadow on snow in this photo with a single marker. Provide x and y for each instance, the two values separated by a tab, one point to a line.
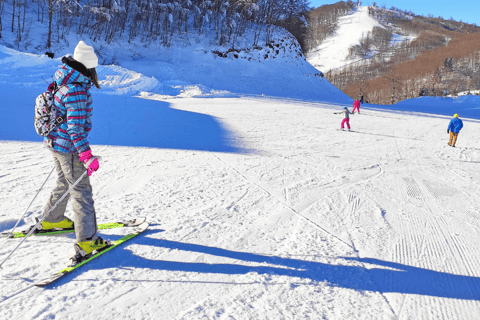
352	274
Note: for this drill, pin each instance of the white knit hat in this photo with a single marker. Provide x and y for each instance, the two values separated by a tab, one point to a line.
85	55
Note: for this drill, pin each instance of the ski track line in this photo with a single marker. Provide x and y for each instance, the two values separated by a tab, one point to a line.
285	189
354	203
404	253
345	186
352	246
283	204
232	206
440	192
405	256
17	293
413	191
473	291
437	247
446	236
404	302
383	212
395	139
469	265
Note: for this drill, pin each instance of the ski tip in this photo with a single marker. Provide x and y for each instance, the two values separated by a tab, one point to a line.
7	235
142	227
140	220
47	281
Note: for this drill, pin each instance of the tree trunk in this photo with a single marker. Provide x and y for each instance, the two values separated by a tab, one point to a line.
24	14
1	29
13	16
19	30
50	17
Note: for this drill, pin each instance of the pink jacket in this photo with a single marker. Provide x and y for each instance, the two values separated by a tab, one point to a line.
356	104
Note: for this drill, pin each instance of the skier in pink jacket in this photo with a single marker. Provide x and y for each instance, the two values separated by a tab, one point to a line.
356	105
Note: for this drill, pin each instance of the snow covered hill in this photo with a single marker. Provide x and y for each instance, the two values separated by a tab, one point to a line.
259	207
333	52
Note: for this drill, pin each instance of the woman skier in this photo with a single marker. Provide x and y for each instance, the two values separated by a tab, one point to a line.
356	105
71	152
346	117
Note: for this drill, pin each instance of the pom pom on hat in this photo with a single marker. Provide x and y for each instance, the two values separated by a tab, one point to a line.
85	55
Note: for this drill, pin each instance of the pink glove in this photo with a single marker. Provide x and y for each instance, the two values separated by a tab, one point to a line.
91	163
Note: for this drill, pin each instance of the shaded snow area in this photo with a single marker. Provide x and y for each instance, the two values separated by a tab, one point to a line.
259	208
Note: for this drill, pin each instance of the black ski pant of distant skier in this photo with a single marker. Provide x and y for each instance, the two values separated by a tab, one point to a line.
69	170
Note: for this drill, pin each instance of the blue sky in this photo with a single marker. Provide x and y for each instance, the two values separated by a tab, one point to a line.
465	10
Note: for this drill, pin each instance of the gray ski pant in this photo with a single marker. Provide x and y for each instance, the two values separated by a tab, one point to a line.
69	169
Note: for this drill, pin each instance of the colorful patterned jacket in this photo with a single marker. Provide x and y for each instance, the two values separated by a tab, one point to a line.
74	100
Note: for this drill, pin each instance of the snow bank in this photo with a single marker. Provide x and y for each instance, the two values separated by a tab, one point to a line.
197	70
118	80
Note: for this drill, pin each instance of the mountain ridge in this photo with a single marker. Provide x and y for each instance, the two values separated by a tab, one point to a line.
377	62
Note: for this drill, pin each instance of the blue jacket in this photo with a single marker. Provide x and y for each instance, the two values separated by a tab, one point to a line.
455	125
74	100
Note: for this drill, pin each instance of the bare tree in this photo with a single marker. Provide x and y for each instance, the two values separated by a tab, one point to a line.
51	5
395	84
13	15
1	12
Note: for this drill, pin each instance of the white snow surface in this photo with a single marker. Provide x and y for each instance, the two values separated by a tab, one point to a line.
259	208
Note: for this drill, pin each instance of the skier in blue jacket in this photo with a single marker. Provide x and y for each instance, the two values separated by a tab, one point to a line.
454	128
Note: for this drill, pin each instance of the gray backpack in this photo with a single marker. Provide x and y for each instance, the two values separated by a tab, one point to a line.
46	113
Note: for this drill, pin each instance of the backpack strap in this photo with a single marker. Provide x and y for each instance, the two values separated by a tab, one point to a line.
63	118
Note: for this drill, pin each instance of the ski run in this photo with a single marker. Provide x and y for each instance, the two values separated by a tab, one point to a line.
258	207
295	220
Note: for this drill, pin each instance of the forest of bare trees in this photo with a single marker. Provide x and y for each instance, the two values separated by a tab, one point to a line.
436	72
323	22
150	20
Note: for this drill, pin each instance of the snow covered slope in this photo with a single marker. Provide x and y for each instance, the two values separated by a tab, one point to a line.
332	53
195	67
259	207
